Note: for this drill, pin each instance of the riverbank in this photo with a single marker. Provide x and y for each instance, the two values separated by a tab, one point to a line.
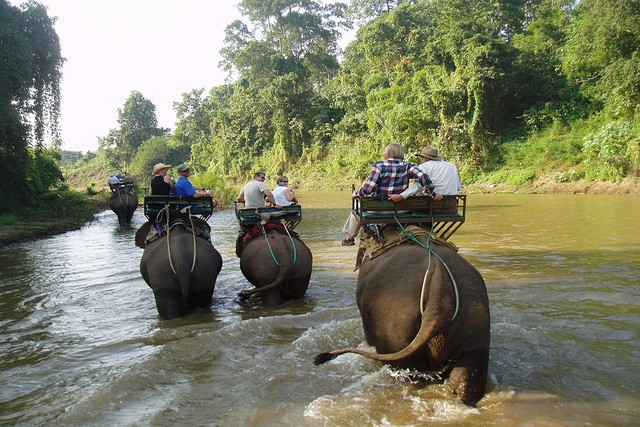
40	223
628	186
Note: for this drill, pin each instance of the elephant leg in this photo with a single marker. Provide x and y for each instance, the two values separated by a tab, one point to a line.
169	303
201	299
468	378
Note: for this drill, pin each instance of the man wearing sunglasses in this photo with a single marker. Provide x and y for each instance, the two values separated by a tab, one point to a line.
255	192
283	194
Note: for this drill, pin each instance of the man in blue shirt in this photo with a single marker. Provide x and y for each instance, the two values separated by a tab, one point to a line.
184	186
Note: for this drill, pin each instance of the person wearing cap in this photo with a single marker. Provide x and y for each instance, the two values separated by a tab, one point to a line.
161	183
444	176
184	186
388	177
254	193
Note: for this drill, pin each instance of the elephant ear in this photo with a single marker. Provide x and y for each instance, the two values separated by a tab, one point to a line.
141	234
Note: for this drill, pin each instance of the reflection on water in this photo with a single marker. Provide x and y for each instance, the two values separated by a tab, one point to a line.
82	343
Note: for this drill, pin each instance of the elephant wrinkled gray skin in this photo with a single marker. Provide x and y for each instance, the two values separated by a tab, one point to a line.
180	268
124	204
277	264
451	338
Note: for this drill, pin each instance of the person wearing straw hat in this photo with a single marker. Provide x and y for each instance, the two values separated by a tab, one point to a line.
444	176
162	184
388	177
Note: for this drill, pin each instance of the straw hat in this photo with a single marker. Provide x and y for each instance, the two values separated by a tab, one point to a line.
430	153
159	166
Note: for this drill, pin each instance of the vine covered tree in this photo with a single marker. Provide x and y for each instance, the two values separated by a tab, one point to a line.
30	74
282	60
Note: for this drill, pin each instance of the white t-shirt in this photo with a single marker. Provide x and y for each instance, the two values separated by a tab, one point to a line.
444	176
254	194
280	196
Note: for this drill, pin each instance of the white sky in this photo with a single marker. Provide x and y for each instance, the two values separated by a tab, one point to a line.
161	48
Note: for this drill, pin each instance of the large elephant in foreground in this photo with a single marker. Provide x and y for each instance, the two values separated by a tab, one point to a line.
450	337
124	204
180	266
277	263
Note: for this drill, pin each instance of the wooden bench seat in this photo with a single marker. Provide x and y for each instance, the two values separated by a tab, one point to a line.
291	215
445	216
201	206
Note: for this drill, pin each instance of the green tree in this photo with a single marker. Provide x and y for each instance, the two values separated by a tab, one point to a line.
137	123
283	59
30	73
602	53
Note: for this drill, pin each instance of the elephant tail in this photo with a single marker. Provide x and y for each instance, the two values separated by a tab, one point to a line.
286	267
282	275
184	278
428	329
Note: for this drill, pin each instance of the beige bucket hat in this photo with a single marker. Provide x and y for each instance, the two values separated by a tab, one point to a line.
430	153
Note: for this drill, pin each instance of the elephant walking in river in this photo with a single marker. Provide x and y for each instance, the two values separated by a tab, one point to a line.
276	262
180	265
449	336
124	203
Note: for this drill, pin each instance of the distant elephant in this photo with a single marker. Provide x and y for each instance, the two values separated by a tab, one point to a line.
277	263
124	204
180	266
451	338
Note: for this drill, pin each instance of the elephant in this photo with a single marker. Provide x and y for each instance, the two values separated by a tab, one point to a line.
276	262
449	339
124	204
180	265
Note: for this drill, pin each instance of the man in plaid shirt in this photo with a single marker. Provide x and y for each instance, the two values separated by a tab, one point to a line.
387	177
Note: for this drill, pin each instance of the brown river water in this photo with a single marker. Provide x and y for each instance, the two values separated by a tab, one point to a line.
82	343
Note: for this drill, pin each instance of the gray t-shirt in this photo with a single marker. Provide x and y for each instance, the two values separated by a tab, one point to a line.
254	194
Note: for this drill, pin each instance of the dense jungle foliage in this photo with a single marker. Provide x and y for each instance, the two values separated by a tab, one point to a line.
510	90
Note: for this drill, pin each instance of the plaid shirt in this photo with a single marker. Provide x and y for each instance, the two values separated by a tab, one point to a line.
392	176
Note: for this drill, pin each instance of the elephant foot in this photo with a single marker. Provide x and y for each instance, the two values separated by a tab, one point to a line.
468	378
244	295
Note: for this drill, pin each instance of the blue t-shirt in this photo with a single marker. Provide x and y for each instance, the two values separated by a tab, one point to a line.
184	187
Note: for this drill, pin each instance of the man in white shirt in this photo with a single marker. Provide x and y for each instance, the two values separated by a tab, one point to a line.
255	192
444	176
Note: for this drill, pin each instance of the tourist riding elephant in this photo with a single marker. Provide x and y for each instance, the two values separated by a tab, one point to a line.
450	337
180	265
277	263
124	204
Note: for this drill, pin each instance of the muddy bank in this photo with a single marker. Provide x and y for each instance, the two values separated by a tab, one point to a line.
629	186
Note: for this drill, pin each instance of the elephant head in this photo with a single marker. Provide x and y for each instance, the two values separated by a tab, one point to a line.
179	264
124	204
276	262
425	307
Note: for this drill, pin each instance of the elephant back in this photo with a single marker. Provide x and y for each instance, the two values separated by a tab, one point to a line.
154	230
248	233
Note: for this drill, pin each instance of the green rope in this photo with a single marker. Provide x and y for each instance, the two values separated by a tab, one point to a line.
273	255
266	238
293	243
412	237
